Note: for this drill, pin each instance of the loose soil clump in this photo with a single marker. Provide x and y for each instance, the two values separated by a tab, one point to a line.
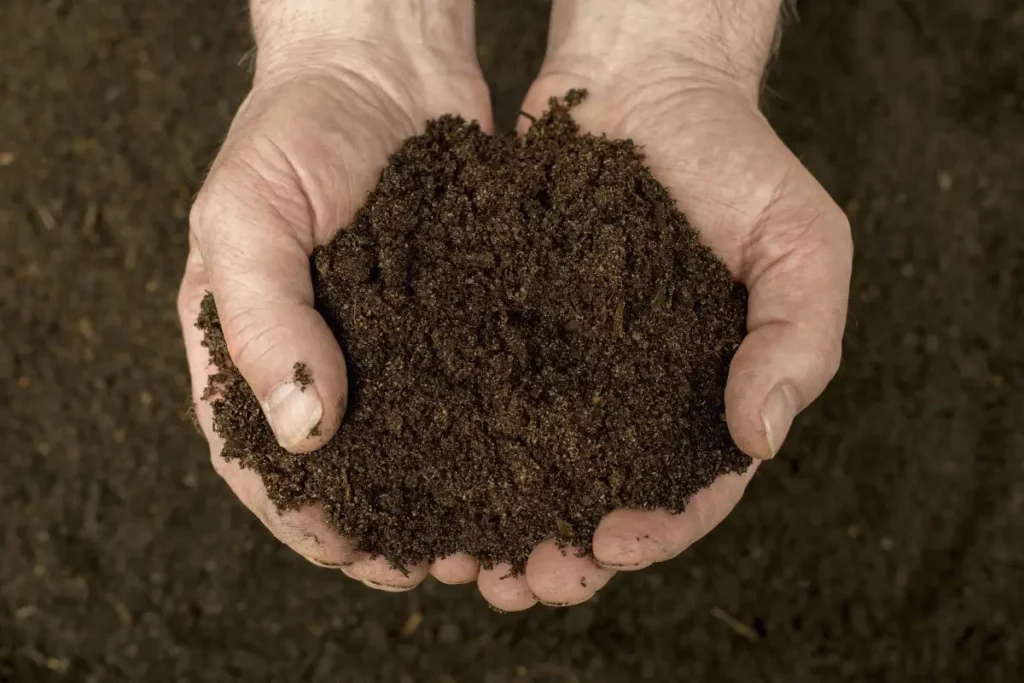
534	337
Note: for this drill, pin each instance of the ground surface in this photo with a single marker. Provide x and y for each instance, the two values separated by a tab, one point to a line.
884	544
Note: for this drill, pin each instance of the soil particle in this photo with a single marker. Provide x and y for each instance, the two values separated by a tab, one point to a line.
302	376
534	337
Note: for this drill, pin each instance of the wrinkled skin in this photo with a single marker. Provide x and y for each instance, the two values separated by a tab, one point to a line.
309	143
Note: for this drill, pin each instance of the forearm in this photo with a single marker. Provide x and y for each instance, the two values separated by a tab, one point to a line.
735	37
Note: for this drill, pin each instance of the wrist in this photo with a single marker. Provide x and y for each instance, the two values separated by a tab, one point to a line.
719	39
296	33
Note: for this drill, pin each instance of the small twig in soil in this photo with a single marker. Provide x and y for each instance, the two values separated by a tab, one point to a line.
412	624
735	624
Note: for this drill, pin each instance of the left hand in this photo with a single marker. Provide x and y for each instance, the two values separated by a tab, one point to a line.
685	88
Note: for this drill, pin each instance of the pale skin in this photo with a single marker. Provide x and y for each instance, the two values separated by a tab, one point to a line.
338	86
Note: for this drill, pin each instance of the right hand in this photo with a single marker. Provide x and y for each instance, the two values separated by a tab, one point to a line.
335	92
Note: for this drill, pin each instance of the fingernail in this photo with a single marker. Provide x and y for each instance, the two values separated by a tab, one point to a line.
293	410
387	587
329	565
565	604
623	567
777	414
461	582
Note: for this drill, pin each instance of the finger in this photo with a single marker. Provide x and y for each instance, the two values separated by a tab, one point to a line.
305	531
255	235
797	271
505	592
635	539
455	569
379	574
559	577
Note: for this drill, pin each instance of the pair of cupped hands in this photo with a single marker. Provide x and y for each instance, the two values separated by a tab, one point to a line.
333	97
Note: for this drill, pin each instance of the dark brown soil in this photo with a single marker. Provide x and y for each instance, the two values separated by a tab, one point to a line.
882	544
535	337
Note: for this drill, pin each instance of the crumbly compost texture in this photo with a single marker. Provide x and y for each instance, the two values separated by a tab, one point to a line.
534	337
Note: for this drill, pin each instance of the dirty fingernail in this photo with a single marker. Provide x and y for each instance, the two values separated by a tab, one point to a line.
328	565
387	587
777	414
293	410
565	604
629	566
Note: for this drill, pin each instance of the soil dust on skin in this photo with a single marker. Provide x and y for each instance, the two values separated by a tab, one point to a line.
535	337
881	544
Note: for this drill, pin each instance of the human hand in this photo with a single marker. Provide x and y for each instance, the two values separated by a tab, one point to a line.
335	92
682	80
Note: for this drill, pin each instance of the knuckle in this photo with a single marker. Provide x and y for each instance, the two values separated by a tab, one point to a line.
846	248
202	209
816	228
191	290
249	338
839	234
184	303
239	179
842	223
212	205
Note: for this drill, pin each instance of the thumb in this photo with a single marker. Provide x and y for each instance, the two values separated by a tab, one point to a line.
797	272
254	231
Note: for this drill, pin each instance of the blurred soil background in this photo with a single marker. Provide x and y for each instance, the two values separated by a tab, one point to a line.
883	544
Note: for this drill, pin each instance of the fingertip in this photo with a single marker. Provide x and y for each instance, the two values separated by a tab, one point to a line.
303	400
295	412
293	364
784	363
455	569
745	392
379	574
777	414
750	434
760	417
503	591
560	577
753	374
623	539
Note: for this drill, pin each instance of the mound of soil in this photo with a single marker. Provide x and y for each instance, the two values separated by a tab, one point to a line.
534	337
